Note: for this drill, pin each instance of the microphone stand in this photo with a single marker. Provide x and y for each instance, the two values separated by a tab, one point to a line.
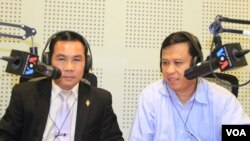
29	32
26	64
225	19
217	28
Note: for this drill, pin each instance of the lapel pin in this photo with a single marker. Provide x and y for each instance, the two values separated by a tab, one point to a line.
87	102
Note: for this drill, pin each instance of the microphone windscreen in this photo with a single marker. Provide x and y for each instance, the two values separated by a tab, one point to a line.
56	73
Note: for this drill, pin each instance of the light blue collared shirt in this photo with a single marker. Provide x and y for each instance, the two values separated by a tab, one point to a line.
158	118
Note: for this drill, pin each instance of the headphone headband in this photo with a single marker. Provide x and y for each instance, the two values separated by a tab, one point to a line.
177	37
46	56
195	42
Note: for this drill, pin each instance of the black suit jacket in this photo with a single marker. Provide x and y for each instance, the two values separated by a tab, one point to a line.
26	116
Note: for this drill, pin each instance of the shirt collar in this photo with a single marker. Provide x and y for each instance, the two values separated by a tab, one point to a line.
56	90
163	87
200	94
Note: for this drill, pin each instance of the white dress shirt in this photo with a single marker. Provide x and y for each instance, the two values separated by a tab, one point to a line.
55	102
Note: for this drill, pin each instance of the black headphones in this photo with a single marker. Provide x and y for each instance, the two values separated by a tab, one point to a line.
193	42
197	46
46	56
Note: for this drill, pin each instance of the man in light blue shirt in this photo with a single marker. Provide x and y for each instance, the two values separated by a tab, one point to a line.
178	109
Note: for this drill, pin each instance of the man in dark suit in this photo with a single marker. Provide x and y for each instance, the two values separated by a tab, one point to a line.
35	105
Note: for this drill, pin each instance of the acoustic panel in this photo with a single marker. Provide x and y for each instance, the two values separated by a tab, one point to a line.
85	17
244	90
99	74
148	21
10	12
7	81
134	81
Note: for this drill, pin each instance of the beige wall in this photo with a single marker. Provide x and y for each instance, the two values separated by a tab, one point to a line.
125	38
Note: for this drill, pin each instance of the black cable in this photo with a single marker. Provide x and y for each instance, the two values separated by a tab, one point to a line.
185	122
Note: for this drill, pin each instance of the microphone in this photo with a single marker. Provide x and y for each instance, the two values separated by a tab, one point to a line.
241	53
14	60
47	70
21	63
201	69
229	56
28	65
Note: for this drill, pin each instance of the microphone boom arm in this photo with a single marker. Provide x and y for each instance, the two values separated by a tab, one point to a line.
217	28
230	52
28	31
225	19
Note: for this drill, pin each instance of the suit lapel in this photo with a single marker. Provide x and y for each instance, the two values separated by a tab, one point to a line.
42	104
83	108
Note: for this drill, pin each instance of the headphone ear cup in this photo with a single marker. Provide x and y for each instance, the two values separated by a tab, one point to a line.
195	60
88	65
46	58
160	66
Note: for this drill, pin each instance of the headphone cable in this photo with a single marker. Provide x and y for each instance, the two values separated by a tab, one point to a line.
185	122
